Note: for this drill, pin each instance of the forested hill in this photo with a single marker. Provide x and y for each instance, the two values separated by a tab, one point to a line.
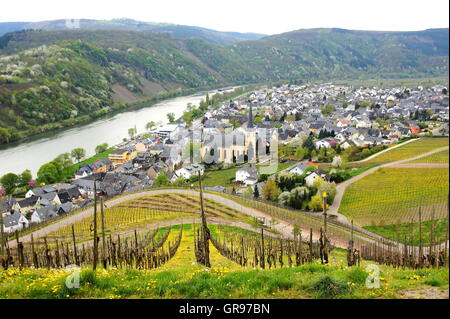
175	30
50	79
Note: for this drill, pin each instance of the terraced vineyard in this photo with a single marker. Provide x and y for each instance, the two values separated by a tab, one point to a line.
432	232
409	150
392	195
181	277
439	157
148	209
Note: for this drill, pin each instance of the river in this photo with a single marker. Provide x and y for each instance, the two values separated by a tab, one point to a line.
32	154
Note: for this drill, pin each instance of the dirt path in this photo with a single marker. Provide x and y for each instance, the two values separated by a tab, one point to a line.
384	151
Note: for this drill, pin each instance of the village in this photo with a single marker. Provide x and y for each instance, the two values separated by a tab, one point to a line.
309	125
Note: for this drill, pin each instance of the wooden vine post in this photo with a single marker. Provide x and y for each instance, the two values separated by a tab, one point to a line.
420	238
446	236
75	254
262	261
103	233
95	261
205	230
325	239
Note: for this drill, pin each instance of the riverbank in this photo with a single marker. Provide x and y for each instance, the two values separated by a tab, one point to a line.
36	133
110	129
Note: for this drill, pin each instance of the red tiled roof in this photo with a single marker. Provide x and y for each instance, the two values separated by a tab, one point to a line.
311	163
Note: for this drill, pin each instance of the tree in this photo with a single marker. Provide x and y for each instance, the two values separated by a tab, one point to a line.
326	187
298	196
284	198
78	153
48	173
161	180
256	192
316	203
309	143
301	152
270	190
9	182
5	135
171	117
180	181
131	132
150	125
337	162
63	161
101	148
248	193
25	177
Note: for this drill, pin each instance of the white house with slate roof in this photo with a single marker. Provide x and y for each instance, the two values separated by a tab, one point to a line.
14	221
247	175
188	171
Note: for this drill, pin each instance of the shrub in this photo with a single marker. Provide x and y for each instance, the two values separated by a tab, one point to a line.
328	287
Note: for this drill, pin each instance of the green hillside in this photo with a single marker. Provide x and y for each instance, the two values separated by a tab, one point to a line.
175	30
53	79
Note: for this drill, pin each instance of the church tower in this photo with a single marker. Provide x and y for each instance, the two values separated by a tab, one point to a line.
250	116
251	137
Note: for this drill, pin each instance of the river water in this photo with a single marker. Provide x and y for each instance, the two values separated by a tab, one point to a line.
32	154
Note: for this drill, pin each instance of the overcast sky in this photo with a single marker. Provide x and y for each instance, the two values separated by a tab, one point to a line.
261	16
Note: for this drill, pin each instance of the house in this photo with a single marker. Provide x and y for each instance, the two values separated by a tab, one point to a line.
342	123
347	143
188	171
414	130
65	208
52	198
14	221
44	214
299	169
313	176
322	143
83	171
27	204
7	204
121	156
40	191
247	175
69	194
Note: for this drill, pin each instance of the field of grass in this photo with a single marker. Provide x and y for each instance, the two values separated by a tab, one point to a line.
138	213
391	195
409	150
182	277
439	157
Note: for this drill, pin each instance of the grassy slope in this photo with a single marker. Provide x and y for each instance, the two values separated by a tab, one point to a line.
225	177
182	277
